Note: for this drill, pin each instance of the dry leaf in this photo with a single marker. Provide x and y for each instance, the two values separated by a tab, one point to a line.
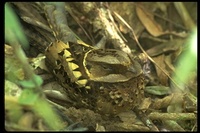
127	11
160	60
26	120
176	103
162	103
185	16
166	47
169	65
148	21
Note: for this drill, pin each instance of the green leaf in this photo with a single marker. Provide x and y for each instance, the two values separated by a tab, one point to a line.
157	90
27	84
38	80
187	61
13	29
45	110
32	83
28	97
13	109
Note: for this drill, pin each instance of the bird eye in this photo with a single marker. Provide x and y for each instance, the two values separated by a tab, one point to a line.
106	67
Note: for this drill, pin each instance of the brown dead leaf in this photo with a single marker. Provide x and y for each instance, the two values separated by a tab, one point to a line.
127	11
169	65
166	47
26	120
176	103
148	21
160	60
162	103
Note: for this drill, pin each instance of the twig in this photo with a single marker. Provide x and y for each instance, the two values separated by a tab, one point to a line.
172	116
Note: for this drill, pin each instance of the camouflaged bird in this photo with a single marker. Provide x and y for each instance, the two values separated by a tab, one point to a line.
107	81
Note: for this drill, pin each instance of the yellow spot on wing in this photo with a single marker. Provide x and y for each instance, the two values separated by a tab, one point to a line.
69	59
67	53
66	45
82	82
77	74
73	66
88	87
